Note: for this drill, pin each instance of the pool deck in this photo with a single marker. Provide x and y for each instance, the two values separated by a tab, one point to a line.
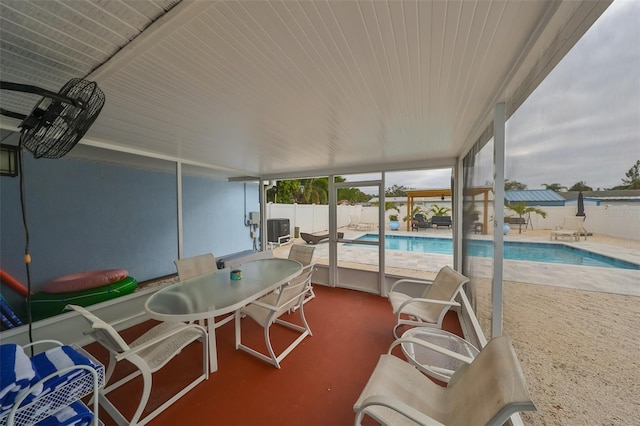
590	278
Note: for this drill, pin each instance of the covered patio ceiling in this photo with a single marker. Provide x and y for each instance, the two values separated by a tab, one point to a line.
288	89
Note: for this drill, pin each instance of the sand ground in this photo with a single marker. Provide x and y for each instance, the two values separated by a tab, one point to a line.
579	349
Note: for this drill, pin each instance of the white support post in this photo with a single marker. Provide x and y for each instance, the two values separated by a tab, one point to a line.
457	205
262	199
382	230
333	227
498	214
179	207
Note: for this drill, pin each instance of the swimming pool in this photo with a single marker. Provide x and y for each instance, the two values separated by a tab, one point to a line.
532	252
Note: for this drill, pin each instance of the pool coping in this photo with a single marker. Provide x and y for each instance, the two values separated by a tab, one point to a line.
588	278
620	256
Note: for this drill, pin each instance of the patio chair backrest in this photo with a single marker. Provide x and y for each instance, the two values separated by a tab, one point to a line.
491	388
104	333
301	253
573	223
195	266
446	285
292	294
420	217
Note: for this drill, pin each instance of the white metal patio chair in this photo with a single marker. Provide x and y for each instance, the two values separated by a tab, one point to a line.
195	266
354	221
430	308
304	255
148	353
267	311
485	392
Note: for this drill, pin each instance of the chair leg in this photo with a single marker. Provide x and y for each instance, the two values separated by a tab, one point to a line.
272	354
238	329
304	319
307	298
395	334
144	398
110	368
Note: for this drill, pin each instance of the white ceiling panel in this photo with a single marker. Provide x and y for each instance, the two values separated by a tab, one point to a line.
282	88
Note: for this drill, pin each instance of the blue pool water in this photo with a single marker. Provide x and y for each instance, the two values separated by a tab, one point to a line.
533	252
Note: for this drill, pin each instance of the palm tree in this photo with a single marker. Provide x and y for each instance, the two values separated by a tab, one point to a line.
388	205
439	210
556	187
315	191
521	209
416	210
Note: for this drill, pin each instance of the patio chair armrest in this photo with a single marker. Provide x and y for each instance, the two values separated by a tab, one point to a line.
264	305
409	280
431	346
431	301
399	407
129	318
158	339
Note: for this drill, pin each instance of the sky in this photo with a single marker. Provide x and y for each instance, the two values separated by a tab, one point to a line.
583	122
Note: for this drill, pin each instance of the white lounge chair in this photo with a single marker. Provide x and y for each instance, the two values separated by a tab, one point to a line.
572	227
354	221
485	392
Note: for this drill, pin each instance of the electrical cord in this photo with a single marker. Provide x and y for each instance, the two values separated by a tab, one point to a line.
27	256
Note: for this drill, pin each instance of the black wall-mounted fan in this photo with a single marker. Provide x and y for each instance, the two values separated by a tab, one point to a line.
58	122
54	126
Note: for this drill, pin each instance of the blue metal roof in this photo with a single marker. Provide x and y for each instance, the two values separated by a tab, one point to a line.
534	197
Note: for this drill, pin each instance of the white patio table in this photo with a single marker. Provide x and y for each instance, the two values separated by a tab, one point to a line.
216	294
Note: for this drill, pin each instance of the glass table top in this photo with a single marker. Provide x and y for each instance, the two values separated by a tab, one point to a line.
216	293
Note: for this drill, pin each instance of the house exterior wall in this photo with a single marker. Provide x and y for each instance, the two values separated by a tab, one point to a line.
213	220
86	215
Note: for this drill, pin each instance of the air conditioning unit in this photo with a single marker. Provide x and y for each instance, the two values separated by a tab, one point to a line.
278	230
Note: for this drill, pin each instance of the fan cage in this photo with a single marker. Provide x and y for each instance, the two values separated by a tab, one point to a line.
59	126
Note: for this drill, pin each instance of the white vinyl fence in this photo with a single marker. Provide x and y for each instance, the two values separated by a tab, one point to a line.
617	221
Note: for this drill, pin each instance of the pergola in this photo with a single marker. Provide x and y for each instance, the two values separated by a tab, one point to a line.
446	192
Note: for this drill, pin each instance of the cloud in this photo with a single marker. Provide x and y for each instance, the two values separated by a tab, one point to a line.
582	123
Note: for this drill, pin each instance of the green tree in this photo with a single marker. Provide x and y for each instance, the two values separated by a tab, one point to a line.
581	186
632	179
416	210
390	205
439	210
521	209
556	187
284	192
314	191
510	185
396	191
353	195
